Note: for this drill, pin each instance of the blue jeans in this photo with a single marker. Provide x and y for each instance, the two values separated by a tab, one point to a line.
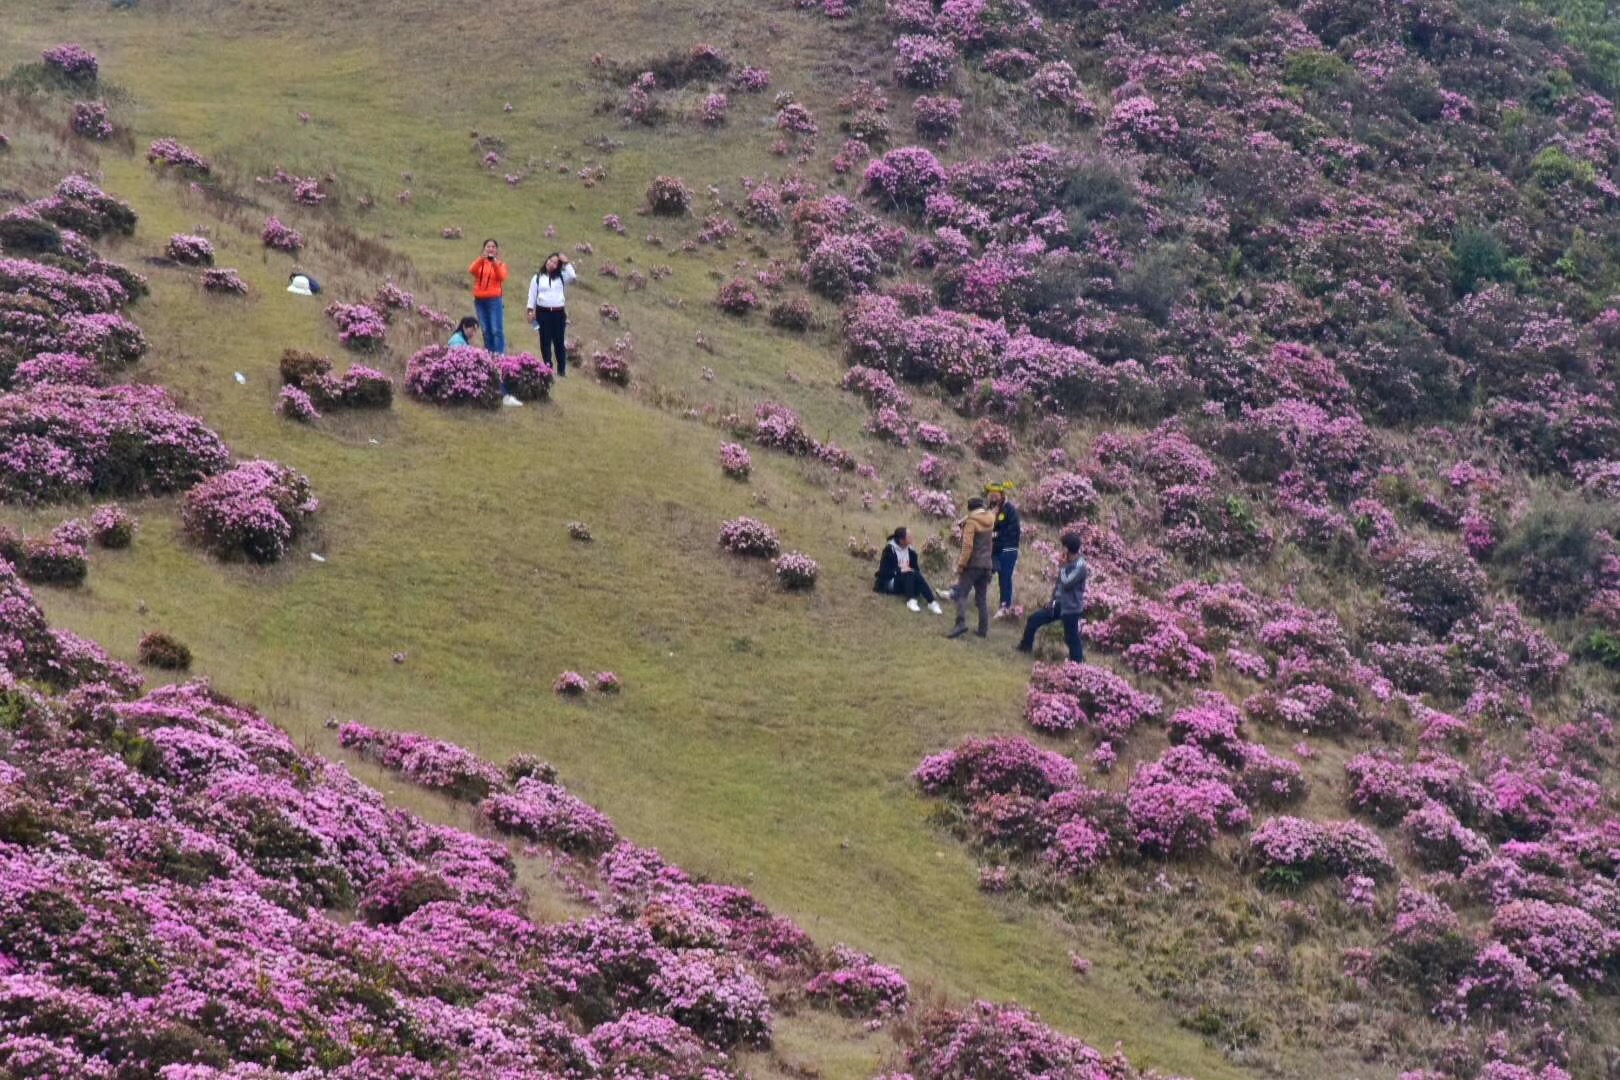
1071	632
492	321
1005	561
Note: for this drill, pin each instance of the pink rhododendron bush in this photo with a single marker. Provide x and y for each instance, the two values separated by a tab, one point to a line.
189	893
256	510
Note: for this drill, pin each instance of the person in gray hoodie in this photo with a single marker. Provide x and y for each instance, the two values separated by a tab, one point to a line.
1068	603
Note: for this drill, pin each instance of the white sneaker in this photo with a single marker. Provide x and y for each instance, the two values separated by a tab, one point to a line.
511	402
933	605
912	605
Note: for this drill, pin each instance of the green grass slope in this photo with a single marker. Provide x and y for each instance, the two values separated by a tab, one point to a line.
762	738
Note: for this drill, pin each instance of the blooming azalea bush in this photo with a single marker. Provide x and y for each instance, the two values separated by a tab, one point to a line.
570	684
72	62
190	250
112	527
256	510
169	153
796	571
89	118
668	196
527	377
280	237
734	461
227	282
445	376
746	536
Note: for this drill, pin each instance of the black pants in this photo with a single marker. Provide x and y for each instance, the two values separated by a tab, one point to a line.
912	586
554	338
1071	631
976	582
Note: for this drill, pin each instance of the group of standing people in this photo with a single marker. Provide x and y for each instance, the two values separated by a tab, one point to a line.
546	306
991	534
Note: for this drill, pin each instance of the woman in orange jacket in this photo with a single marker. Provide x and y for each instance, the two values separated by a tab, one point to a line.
489	277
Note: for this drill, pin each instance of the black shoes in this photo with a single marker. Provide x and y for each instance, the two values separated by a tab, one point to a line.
957	632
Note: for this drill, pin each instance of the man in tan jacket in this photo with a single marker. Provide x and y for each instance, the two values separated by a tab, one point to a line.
974	567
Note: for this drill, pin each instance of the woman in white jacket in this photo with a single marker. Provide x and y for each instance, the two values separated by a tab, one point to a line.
548	311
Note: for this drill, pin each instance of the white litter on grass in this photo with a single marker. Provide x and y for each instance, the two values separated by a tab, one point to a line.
317	558
373	442
241	378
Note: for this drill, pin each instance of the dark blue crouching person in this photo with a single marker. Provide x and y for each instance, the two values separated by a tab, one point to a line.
1068	602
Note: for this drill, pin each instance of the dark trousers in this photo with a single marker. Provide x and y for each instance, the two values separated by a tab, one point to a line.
977	582
1006	561
912	586
554	338
1071	631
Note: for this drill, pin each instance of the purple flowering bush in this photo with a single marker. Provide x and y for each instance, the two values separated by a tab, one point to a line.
445	376
227	282
169	153
281	237
795	571
748	537
89	118
190	250
72	62
668	196
734	461
256	510
528	378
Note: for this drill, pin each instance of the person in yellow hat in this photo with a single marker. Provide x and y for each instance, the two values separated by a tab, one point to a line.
1004	542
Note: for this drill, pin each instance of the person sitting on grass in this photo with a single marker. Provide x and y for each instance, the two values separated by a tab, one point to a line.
1068	603
898	575
463	337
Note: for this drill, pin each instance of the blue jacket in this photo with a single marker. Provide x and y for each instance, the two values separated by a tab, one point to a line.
1009	529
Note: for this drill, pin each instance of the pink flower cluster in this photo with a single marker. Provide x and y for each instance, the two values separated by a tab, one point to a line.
748	537
256	509
360	326
445	376
281	237
734	461
439	766
191	250
218	280
796	571
173	154
89	118
73	62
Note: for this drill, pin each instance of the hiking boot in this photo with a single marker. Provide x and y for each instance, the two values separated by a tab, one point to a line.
912	605
957	632
981	633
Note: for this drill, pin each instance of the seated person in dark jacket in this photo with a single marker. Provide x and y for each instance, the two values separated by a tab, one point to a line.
1068	602
898	574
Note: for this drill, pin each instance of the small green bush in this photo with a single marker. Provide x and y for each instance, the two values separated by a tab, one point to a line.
159	650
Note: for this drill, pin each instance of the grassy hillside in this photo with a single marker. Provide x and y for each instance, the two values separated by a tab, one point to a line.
762	738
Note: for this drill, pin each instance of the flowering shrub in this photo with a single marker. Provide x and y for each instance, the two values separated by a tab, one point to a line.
215	280
734	461
904	177
57	369
280	237
924	62
73	62
608	683
527	377
793	313
112	526
992	441
160	650
570	684
89	118
796	571
1061	498
169	153
191	250
715	109
61	442
668	196
437	765
612	365
447	376
995	766
541	811
736	297
256	509
856	985
1294	849
937	117
295	404
360	326
745	536
997	1040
